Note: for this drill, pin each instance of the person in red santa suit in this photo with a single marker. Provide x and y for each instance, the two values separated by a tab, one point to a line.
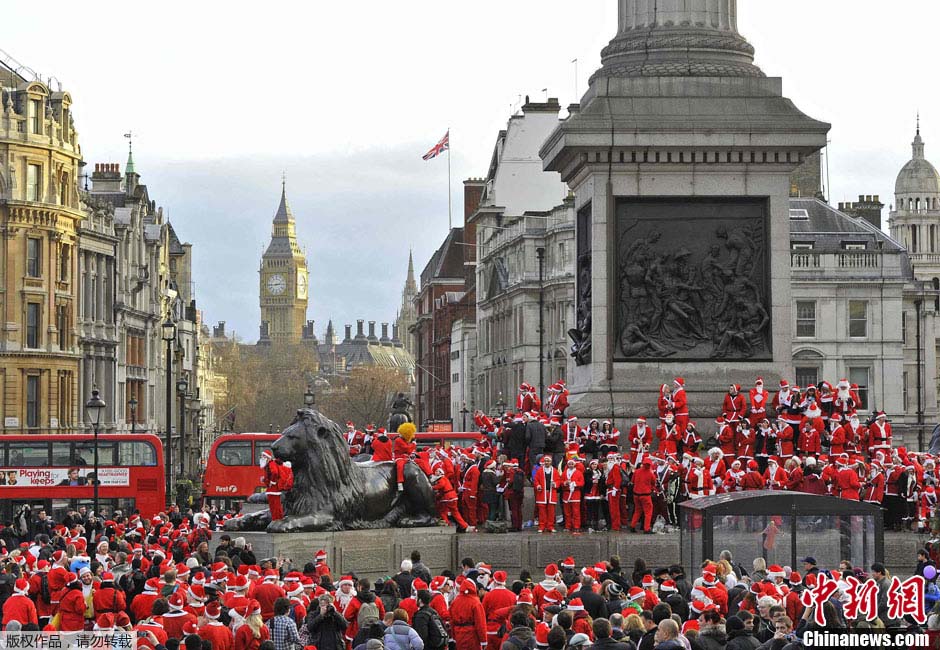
612	482
513	484
354	439
758	399
856	435
843	403
732	481
784	439
644	484
691	438
785	404
879	434
640	438
734	405
571	432
446	499
593	493
609	438
524	398
546	484
726	439
664	403
470	493
572	485
809	443
775	477
496	599
699	481
669	435
873	488
716	467
680	404
744	441
19	607
753	479
561	402
468	619
270	478
928	508
836	435
848	485
381	447
794	475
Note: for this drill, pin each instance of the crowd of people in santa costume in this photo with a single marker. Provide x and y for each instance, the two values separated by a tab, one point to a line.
157	579
589	477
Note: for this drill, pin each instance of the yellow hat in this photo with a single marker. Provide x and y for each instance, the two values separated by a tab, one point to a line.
407	431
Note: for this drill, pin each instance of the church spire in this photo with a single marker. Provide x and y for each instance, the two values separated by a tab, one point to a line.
410	281
918	144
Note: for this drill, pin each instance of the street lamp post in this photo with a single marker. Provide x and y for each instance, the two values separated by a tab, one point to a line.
181	386
133	407
168	334
540	253
463	413
94	406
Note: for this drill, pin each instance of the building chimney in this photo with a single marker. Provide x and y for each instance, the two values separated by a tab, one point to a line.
106	178
372	331
348	333
385	340
868	208
359	325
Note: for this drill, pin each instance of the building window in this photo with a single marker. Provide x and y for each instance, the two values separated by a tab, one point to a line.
858	318
904	327
807	376
65	124
65	391
853	246
801	246
34	113
33	257
134	354
32	324
805	319
860	375
455	378
62	325
33	182
32	401
905	396
65	263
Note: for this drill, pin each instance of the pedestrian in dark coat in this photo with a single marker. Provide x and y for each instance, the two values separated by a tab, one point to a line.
326	626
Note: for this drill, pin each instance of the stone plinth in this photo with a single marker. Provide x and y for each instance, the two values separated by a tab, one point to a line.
377	553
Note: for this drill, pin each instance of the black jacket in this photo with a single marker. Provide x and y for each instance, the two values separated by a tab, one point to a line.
422	623
535	432
516	440
742	640
326	631
713	638
610	644
403	580
594	604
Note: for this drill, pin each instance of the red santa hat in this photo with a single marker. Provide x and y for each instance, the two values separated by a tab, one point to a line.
417	585
551	571
271	575
499	577
541	635
575	605
152	585
648	581
699	606
105	621
752	464
437	582
21	587
669	586
636	593
776	571
213	610
784	383
679	381
794	578
568	562
641	419
468	588
690	625
759	381
553	597
525	597
347	580
176	602
320	556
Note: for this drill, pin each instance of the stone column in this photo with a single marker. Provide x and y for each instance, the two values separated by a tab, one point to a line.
679	37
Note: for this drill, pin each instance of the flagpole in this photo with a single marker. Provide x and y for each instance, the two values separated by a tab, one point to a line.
450	203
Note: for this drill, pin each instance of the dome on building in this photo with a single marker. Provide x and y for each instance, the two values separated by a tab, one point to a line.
918	177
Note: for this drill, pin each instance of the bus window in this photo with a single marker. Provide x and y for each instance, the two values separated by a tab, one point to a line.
29	454
234	452
62	454
85	453
136	452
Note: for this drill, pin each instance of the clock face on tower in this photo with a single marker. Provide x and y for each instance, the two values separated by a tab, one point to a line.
301	284
277	284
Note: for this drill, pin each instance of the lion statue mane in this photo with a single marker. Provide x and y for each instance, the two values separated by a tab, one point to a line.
333	492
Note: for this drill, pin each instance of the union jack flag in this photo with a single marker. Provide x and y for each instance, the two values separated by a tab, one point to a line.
439	148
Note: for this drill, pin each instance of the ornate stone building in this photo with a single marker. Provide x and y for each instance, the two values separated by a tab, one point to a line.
523	209
283	281
40	214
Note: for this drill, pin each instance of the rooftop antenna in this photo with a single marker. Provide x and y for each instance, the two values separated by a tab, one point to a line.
918	121
545	90
130	142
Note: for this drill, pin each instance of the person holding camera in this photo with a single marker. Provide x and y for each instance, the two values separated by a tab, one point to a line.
325	625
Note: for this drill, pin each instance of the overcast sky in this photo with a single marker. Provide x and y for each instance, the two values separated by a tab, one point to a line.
345	97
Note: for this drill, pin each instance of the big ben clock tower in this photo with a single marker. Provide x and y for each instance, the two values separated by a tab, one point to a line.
283	280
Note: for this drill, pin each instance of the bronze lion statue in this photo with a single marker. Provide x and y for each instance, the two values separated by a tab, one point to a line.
333	492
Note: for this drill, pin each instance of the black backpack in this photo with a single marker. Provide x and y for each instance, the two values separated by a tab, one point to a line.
437	635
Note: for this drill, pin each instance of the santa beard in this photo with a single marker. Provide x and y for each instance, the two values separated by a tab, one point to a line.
843	394
813	413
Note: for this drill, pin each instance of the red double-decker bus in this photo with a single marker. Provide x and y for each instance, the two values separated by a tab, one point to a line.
56	473
233	473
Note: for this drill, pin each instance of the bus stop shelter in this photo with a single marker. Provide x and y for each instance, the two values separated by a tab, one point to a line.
781	527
